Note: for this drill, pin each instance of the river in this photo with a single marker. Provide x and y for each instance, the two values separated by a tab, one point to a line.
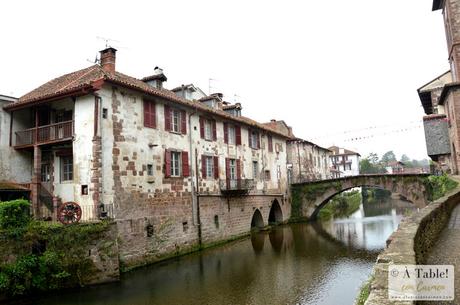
319	263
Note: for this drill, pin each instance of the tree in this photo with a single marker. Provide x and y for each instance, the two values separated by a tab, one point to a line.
405	159
389	156
370	164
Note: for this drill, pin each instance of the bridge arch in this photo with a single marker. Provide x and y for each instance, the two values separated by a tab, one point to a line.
257	221
276	214
310	197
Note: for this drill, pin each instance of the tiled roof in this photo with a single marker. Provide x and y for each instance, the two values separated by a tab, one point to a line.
336	151
86	78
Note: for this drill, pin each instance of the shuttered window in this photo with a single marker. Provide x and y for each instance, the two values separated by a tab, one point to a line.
149	114
176	164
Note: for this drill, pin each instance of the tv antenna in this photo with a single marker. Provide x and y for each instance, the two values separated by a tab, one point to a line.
108	41
209	84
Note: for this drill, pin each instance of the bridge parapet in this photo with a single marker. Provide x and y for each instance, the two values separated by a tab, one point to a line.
309	197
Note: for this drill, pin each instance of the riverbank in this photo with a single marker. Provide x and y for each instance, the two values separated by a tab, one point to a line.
411	243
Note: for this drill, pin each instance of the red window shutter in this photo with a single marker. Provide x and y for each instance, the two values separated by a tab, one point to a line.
201	127
227	168
214	130
249	138
185	166
225	133
183	120
203	167
238	135
258	140
147	115
153	114
270	143
167	163
216	167
167	118
238	169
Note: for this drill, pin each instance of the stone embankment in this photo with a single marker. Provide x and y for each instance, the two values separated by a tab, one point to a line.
411	244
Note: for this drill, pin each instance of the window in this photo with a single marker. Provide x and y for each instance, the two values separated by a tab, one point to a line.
149	169
104	113
270	143
210	167
231	135
255	169
149	114
175	120
66	168
267	175
208	129
253	139
232	169
175	164
45	172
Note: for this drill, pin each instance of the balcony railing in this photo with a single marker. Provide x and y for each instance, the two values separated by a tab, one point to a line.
45	134
236	186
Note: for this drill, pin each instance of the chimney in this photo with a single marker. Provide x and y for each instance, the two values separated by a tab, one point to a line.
108	59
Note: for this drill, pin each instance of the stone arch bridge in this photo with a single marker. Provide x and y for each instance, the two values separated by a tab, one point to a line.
308	198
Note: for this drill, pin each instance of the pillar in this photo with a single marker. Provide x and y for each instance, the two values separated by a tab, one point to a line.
36	179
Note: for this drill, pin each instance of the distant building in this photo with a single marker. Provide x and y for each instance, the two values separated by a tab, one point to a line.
395	167
440	98
306	161
344	162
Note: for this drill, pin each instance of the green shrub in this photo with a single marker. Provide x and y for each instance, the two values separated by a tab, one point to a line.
14	214
441	185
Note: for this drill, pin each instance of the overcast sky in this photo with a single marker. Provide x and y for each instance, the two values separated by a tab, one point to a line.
334	70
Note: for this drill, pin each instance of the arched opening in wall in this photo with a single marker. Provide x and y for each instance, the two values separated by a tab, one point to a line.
365	201
276	215
257	220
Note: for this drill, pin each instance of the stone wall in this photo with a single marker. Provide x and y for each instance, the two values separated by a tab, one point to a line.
410	244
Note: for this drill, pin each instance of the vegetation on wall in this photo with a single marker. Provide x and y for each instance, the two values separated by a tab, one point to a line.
38	256
441	185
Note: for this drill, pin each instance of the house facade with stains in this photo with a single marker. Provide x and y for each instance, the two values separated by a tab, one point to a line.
174	173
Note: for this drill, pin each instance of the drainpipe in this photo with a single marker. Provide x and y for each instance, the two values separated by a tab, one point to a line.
298	159
195	215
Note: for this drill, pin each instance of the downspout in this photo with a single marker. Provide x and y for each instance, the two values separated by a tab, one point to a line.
194	175
298	159
98	133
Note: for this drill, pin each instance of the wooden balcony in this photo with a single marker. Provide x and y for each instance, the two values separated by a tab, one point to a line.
47	134
236	186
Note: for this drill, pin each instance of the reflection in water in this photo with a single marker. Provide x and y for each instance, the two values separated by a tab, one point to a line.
304	264
257	241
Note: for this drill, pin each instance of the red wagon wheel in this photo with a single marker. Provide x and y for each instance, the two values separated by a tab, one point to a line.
69	212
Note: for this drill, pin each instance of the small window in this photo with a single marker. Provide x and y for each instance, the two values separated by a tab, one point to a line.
175	164
66	168
149	169
216	221
267	175
84	189
185	226
255	170
149	230
104	113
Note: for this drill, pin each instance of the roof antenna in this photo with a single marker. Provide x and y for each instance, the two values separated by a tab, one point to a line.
108	41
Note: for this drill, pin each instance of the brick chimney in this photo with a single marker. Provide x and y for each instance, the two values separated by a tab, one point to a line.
108	59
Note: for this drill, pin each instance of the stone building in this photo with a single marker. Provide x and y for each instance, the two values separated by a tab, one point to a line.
440	98
344	162
173	171
306	161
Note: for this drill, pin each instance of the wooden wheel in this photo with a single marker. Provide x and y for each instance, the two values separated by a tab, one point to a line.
69	212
